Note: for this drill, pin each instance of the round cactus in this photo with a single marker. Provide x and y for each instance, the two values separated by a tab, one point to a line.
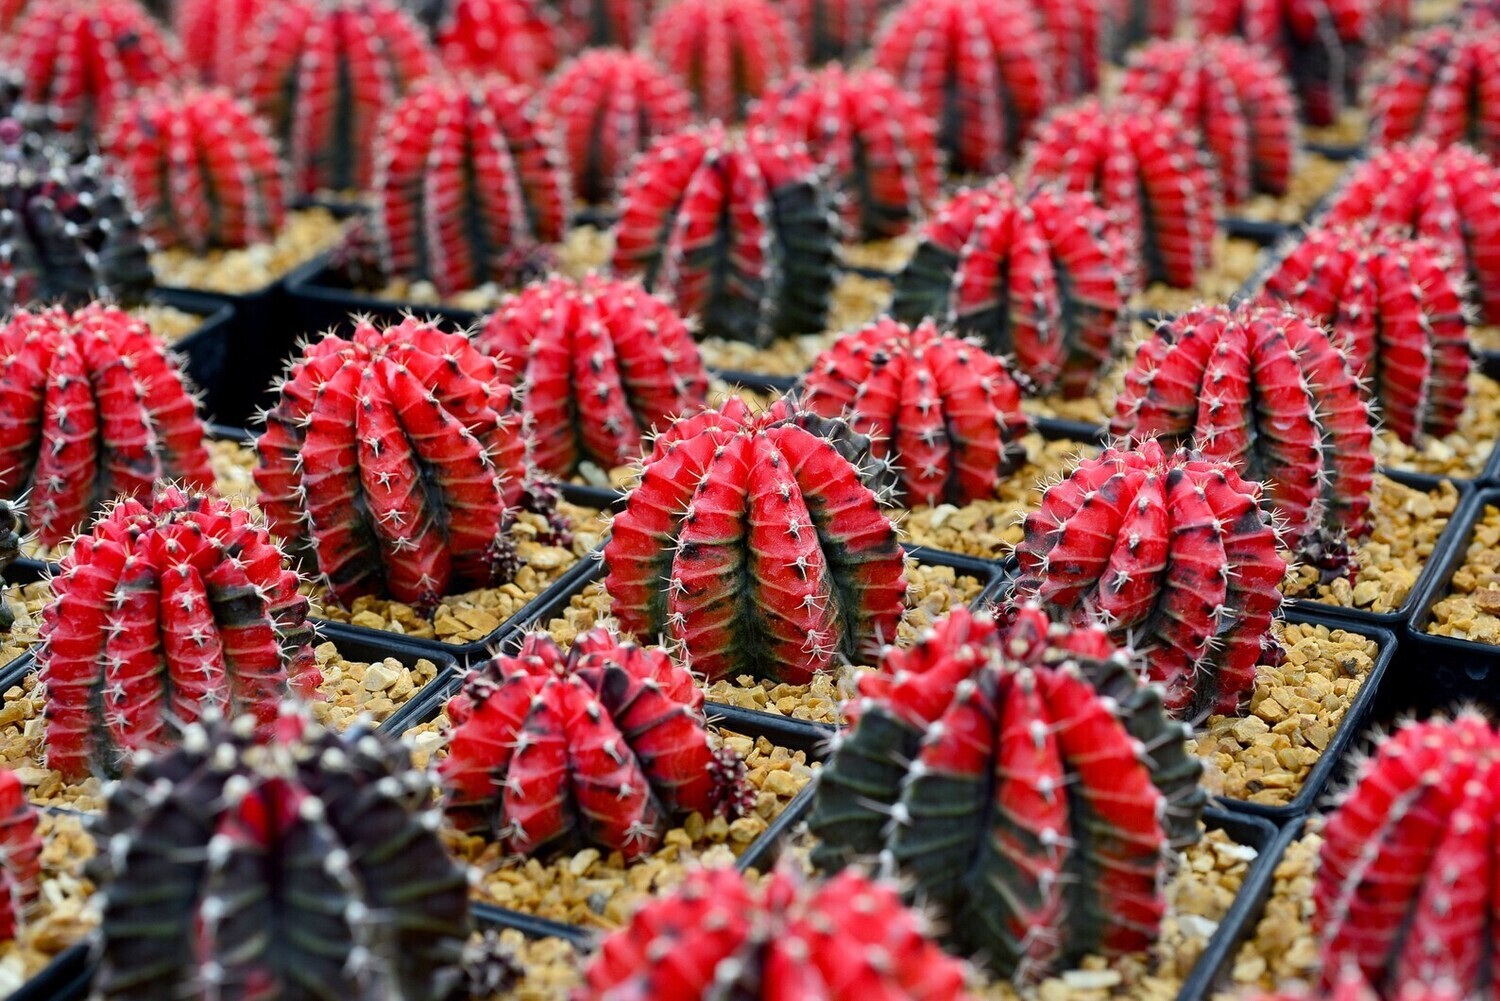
214	34
738	232
86	58
598	364
1235	96
467	180
618	23
396	457
753	541
20	855
1264	389
167	610
1043	278
1448	196
305	866
1143	164
608	106
323	73
202	167
949	769
1173	550
1443	85
835	31
727	52
844	939
979	68
91	408
944	413
879	145
1397	308
517	39
604	745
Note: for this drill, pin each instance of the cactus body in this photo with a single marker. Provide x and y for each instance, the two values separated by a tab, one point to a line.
395	455
1443	85
952	767
727	52
1042	277
1145	167
466	179
517	39
944	412
1397	308
604	745
737	232
754	542
880	146
20	855
214	35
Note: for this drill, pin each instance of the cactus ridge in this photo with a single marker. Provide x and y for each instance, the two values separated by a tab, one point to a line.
1443	85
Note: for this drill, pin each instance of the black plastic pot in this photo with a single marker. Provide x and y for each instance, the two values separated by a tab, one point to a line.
206	352
320	305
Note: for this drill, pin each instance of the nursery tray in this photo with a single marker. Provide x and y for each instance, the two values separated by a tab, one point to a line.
321	306
67	978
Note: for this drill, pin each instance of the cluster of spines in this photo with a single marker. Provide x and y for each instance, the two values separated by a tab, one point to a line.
954	769
754	541
605	744
1041	277
1443	85
727	52
20	855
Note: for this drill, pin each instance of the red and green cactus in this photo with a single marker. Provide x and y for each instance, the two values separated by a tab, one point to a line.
517	39
203	169
468	181
835	31
20	855
396	457
91	408
214	34
598	364
603	745
1264	389
170	608
1042	277
1147	168
738	232
727	52
944	413
1398	310
754	541
87	58
1401	891
1443	85
308	865
323	74
980	761
1173	551
880	146
607	106
1235	96
1445	195
980	68
847	938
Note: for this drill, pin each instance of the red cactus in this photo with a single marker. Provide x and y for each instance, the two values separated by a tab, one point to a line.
599	364
323	73
1397	308
845	939
466	177
1042	277
1445	195
165	611
835	31
214	34
515	38
1443	85
952	768
1175	552
944	412
608	106
728	52
1143	165
1078	31
617	23
1235	96
91	408
20	855
880	146
753	541
1265	390
85	58
736	231
604	745
202	167
394	454
979	67
1402	891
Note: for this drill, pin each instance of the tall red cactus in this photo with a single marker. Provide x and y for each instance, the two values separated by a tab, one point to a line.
1443	85
214	34
727	52
20	855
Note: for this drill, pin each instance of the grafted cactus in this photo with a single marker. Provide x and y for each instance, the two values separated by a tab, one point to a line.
1023	782
727	52
753	541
